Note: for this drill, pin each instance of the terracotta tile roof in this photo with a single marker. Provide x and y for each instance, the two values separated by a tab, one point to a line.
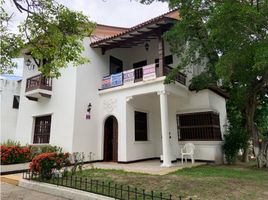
174	14
103	31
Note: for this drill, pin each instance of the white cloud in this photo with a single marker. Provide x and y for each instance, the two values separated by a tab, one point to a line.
125	13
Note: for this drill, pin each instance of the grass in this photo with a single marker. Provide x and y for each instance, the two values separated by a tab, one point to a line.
203	182
223	172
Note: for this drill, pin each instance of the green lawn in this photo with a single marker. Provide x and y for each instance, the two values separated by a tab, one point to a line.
203	182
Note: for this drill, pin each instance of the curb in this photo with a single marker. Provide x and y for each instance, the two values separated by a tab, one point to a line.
61	191
13	172
14	168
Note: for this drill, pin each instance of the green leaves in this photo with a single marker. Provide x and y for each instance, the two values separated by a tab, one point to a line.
53	35
230	39
10	44
59	39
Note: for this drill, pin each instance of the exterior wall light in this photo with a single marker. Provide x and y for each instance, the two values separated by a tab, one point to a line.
88	111
89	107
29	64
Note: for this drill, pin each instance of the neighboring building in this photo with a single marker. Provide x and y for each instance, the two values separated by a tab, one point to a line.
10	99
117	106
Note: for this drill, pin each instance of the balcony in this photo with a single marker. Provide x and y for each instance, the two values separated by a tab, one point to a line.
145	73
38	86
179	77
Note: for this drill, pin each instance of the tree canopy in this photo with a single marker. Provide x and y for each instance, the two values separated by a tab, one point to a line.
52	35
230	39
10	44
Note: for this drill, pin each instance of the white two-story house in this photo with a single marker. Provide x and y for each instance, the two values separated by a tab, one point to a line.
117	106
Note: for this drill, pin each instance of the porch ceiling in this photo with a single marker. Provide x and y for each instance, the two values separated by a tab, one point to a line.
152	29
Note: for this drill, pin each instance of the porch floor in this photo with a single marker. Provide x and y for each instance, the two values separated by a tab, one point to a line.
148	167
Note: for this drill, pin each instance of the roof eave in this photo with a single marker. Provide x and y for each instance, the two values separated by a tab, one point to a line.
134	32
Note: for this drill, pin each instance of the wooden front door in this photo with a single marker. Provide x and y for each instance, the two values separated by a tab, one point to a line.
42	129
111	139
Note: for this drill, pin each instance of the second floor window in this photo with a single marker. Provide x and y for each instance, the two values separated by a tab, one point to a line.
168	60
116	65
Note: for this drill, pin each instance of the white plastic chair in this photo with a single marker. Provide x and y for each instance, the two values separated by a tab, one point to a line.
188	150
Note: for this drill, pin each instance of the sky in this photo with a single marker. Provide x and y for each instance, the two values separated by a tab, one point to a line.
123	13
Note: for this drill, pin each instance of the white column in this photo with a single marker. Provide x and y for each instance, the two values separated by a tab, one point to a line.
165	129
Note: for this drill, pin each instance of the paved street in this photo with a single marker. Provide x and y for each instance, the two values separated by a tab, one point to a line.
12	192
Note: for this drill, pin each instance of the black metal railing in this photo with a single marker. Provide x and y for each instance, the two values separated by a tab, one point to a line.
138	73
179	77
108	189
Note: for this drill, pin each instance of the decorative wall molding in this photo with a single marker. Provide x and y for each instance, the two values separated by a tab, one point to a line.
129	98
109	104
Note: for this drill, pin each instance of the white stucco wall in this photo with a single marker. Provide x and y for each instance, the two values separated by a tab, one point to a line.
143	149
8	88
122	103
88	134
60	106
204	100
145	99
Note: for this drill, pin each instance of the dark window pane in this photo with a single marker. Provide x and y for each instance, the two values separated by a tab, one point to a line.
199	126
140	126
42	129
116	65
140	64
156	62
167	60
16	102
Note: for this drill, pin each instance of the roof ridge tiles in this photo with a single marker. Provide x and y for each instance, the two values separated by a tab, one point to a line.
133	28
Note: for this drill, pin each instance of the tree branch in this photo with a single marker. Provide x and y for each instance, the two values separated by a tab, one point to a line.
263	83
21	8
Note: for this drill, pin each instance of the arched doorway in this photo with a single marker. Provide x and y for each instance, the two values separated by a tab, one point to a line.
110	139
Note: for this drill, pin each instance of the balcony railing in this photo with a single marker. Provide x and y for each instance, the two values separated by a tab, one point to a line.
138	74
38	82
180	77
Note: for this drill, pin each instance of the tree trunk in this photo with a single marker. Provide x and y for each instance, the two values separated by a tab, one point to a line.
245	154
260	147
250	109
262	157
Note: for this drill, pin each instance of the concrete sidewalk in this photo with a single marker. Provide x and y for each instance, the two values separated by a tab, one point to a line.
149	167
11	179
15	187
12	192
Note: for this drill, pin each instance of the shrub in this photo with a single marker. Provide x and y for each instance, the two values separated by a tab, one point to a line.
45	163
40	149
14	154
11	143
235	140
